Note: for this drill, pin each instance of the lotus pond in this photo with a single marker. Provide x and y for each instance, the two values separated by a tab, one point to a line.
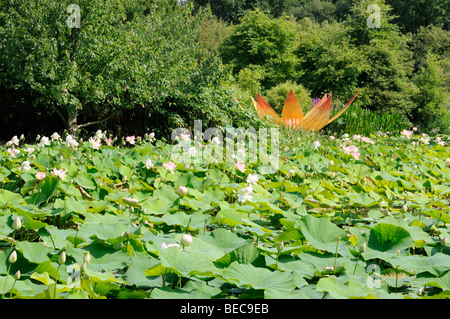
350	217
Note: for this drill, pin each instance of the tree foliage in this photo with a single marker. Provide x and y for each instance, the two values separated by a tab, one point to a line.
123	60
259	41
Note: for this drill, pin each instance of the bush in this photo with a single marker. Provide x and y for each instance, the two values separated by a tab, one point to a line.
276	96
259	41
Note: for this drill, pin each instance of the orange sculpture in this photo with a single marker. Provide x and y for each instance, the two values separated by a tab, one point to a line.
292	114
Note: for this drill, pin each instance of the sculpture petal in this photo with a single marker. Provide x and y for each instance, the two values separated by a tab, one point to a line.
263	108
318	117
343	109
292	113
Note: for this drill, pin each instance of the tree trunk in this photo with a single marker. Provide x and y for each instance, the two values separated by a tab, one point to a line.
72	124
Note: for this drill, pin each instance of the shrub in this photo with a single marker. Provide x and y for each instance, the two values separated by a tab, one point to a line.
276	96
262	42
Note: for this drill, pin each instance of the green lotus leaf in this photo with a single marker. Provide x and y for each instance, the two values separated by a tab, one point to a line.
186	263
259	278
322	233
387	239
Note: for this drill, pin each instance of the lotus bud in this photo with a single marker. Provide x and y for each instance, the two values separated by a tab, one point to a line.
17	275
186	240
62	258
291	173
280	246
13	257
182	190
405	208
17	223
362	248
87	257
331	163
444	241
398	252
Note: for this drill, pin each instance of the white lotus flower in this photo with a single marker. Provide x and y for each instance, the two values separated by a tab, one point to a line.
252	179
25	166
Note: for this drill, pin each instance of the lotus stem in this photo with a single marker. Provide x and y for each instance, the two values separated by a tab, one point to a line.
6	279
335	258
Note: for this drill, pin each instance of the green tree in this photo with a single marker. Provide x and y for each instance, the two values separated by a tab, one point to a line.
212	30
385	81
317	10
327	59
431	94
149	64
410	15
265	43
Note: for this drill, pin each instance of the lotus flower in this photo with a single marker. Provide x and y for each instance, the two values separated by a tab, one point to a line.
292	114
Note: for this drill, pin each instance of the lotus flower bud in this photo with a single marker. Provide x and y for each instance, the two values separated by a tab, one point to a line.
62	258
280	246
13	257
362	248
186	240
182	190
331	163
444	241
17	275
17	224
87	257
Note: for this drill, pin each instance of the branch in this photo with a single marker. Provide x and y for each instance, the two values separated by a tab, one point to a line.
94	122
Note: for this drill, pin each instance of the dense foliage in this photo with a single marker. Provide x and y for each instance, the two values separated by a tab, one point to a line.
358	217
139	69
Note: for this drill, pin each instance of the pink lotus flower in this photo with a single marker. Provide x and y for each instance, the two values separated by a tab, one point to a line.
353	150
182	190
367	140
60	173
240	166
40	175
131	139
407	133
108	141
169	166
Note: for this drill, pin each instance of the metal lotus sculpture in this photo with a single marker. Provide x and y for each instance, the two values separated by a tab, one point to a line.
292	114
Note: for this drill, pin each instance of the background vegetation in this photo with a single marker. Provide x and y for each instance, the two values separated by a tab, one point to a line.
154	65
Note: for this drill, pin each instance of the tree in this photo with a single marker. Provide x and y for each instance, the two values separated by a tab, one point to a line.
431	93
262	43
69	68
327	59
385	83
410	15
317	10
123	58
